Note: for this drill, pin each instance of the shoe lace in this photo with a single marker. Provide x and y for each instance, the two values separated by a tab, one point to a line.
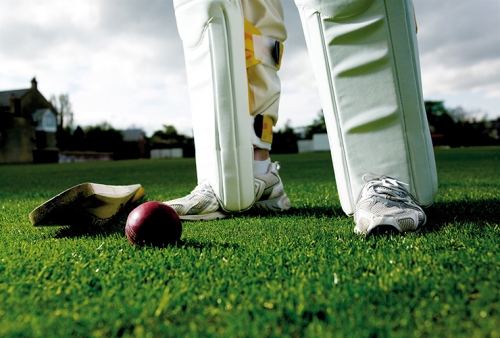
387	187
203	188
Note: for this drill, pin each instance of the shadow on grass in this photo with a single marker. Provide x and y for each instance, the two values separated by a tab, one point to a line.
192	244
115	225
439	215
479	212
318	212
118	226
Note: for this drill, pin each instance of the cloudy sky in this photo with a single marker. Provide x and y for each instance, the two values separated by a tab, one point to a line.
121	62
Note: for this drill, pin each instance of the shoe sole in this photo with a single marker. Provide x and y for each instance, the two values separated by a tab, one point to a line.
383	229
204	217
281	203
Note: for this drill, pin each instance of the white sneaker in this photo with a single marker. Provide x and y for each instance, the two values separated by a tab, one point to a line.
200	204
269	192
385	205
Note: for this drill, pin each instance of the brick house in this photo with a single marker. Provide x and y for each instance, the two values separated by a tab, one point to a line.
28	127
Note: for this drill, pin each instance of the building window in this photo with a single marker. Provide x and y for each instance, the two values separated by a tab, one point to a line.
49	122
45	120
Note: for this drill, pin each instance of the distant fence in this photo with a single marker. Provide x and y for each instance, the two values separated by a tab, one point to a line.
318	143
167	153
84	156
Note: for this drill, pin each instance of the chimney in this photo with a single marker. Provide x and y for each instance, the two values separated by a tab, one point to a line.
33	83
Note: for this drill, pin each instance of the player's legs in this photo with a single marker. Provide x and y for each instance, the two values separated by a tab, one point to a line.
262	40
214	50
365	59
264	35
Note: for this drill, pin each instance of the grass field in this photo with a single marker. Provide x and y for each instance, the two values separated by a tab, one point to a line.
298	274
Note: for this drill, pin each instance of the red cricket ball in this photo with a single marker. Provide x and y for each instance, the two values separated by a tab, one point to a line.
153	223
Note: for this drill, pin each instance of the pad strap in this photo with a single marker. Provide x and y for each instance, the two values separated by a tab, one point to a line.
261	49
263	126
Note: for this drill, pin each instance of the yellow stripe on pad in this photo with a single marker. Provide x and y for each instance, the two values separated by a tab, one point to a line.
250	31
267	129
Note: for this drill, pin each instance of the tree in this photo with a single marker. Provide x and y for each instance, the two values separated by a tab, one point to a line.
103	138
457	126
168	133
168	138
317	127
459	114
442	123
64	111
64	120
285	140
77	140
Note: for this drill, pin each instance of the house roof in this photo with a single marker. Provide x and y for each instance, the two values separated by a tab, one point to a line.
132	134
6	95
40	112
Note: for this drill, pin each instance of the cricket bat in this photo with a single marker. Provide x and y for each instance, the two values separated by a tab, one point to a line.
86	204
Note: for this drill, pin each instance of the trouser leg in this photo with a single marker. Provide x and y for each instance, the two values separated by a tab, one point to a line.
212	32
365	59
264	36
231	65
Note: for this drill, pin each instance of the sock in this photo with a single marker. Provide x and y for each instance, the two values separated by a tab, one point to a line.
261	167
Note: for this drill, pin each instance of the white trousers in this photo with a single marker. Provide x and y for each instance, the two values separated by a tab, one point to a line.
365	58
263	81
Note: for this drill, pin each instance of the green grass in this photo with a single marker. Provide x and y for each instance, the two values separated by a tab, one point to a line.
299	274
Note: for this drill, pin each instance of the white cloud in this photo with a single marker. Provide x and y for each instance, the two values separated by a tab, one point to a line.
300	101
478	77
122	61
459	44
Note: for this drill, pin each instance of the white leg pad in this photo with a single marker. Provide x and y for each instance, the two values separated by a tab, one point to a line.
365	59
212	32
